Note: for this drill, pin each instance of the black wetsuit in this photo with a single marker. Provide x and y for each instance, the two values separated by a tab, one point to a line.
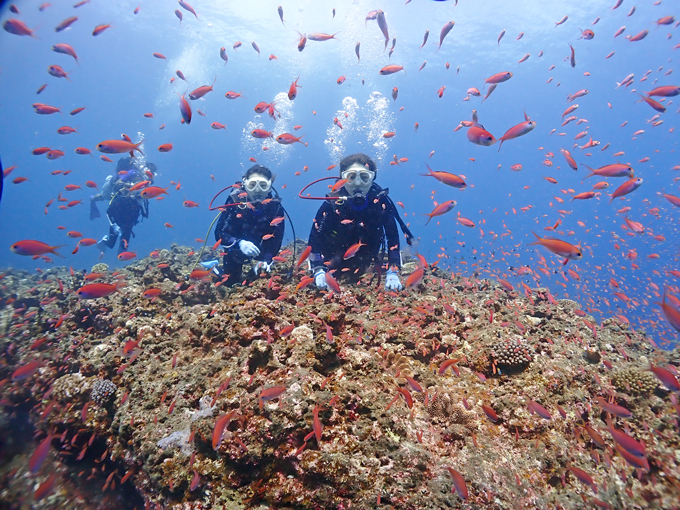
124	211
372	222
250	222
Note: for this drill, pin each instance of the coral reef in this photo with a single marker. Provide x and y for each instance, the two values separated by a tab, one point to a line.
264	396
103	392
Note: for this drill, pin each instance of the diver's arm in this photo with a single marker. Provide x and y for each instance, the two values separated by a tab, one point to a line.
392	238
224	229
317	236
107	189
270	247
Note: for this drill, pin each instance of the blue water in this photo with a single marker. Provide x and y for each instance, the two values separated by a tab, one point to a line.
118	80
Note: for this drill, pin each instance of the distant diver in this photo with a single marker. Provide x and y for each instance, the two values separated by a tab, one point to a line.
125	201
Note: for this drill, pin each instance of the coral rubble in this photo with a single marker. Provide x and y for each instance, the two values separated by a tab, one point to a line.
214	397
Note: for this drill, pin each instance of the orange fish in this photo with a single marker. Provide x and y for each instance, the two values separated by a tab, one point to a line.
127	255
449	179
559	247
153	192
98	290
202	91
352	250
518	130
441	209
287	139
33	248
415	278
99	29
261	133
166	147
391	69
189	203
16	27
292	92
118	147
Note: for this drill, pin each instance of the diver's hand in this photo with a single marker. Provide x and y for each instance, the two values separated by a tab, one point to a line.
116	229
248	248
320	279
263	266
392	281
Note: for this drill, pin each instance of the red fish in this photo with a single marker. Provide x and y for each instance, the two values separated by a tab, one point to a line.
98	290
287	139
614	409
33	248
449	179
458	483
99	29
518	130
499	77
220	427
65	24
16	27
166	147
665	91
626	188
332	283
25	371
270	394
672	314
352	250
66	49
321	36
185	109
559	247
444	32
316	423
415	278
118	147
666	378
261	133
292	91
153	192
188	7
442	208
477	134
391	69
201	91
304	255
40	453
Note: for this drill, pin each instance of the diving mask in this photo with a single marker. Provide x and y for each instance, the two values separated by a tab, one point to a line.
257	188
257	184
359	179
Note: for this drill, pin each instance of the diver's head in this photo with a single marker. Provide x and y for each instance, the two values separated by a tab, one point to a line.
359	171
127	169
257	182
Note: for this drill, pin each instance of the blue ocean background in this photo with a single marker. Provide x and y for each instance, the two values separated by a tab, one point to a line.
118	81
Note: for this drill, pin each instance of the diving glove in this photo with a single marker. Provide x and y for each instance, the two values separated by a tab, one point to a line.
392	281
320	279
248	248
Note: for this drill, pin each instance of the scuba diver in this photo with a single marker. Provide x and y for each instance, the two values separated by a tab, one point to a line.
124	206
251	225
364	215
